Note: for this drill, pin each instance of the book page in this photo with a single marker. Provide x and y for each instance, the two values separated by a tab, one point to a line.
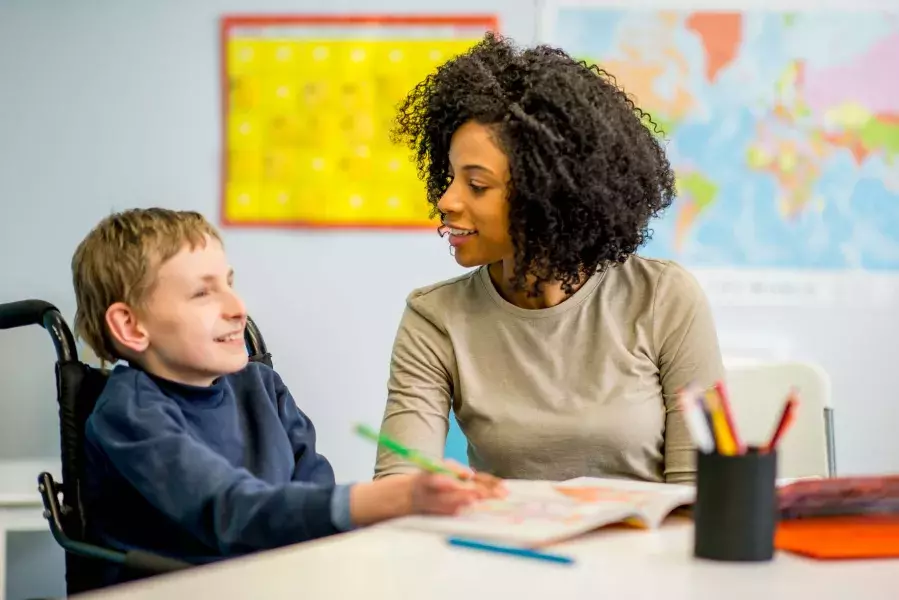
651	502
542	512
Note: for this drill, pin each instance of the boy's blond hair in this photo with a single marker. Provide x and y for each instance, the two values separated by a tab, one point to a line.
118	260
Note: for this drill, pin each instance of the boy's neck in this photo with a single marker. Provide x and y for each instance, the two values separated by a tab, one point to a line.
170	377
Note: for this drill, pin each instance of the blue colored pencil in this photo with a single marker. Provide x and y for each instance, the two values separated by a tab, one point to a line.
511	550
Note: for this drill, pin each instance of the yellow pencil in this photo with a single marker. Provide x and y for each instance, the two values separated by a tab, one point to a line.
725	440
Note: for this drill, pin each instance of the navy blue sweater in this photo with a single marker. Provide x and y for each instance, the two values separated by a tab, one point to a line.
204	473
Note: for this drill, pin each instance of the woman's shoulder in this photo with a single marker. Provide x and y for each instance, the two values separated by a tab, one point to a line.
439	304
656	276
448	292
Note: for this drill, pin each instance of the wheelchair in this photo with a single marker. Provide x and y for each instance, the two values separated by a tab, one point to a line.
77	388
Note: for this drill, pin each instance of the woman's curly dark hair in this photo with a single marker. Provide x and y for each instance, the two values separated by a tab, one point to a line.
587	174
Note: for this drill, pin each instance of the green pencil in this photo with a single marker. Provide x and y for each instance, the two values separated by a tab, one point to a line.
410	455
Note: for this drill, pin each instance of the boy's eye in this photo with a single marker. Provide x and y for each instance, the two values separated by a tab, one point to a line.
201	293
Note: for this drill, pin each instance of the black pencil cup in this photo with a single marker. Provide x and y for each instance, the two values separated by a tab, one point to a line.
735	513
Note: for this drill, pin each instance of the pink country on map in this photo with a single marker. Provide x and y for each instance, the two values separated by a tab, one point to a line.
871	80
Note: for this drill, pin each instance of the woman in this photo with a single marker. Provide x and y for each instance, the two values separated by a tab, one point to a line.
562	352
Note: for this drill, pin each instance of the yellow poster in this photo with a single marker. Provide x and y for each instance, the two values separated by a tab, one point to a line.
308	107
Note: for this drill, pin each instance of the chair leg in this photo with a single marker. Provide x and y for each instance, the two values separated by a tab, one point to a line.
2	556
831	443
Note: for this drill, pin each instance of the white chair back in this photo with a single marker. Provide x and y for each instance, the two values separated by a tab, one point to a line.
758	391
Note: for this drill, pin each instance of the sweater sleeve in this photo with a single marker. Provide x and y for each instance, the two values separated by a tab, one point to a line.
419	391
145	438
309	465
688	351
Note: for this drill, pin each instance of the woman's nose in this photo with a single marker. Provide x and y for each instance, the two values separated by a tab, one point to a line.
449	203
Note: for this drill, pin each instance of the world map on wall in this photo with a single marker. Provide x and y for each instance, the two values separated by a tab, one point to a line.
783	129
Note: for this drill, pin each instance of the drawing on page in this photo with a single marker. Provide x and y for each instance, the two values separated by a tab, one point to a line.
597	494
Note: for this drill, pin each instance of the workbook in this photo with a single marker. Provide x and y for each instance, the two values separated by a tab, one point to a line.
537	513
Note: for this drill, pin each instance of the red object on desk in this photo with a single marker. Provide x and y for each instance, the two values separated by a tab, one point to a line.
843	537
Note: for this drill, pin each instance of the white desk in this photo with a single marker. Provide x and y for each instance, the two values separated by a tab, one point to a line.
21	508
388	564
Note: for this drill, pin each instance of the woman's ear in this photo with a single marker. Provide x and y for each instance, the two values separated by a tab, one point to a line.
125	329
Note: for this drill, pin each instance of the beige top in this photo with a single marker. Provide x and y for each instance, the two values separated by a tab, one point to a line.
586	387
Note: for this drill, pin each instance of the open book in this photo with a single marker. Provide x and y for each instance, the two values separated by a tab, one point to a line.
536	513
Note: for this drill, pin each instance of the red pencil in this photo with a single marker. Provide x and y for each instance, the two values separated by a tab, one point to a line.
786	419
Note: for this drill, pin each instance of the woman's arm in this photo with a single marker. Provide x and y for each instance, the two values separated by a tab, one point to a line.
419	391
687	348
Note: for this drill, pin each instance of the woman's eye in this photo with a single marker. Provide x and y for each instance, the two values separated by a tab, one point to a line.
477	189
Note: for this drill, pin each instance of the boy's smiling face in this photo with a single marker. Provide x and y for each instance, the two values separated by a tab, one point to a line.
190	328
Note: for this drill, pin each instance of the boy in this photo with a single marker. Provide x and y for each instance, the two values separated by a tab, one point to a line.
191	451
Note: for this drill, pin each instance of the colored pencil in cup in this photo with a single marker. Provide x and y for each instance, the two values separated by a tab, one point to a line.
723	436
729	417
786	419
694	416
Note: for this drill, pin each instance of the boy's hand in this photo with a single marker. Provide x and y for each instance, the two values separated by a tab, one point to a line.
420	493
486	485
489	486
444	495
440	494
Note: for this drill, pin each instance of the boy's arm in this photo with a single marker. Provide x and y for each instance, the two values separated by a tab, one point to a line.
309	465
224	506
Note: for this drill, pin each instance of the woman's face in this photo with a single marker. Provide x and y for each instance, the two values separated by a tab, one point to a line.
475	207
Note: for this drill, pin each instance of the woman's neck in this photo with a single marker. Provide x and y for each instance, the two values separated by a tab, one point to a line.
551	292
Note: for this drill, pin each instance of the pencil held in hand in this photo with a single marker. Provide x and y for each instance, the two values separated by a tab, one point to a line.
412	456
487	486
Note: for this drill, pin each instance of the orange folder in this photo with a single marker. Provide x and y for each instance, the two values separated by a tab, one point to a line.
840	537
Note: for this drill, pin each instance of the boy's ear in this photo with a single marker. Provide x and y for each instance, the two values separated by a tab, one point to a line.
125	329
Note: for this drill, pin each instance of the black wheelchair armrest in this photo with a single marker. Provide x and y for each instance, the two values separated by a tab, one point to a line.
137	560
